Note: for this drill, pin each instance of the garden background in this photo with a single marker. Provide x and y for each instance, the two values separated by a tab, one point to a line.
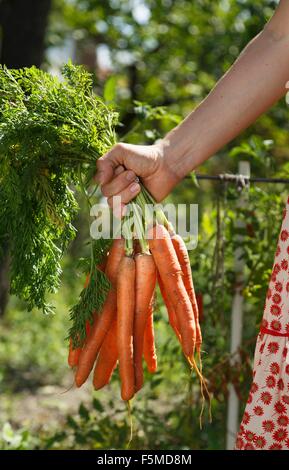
155	60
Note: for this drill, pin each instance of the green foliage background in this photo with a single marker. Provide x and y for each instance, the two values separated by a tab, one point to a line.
161	69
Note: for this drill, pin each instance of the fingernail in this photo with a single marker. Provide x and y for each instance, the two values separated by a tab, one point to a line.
130	176
134	188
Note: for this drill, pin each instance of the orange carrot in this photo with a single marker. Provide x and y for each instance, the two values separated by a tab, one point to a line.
199	299
73	354
149	350
125	320
106	359
170	272
171	313
185	264
105	319
144	288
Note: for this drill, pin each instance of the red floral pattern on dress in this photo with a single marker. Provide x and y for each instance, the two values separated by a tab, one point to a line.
275	325
270	381
265	424
278	286
249	435
275	310
280	384
250	398
276	268
239	443
275	368
268	425
249	446
246	418
284	264
258	410
266	398
285	399
275	446
273	347
280	435
276	298
283	420
260	442
279	407
284	235
269	294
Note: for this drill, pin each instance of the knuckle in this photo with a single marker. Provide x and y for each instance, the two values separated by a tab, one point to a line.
120	149
119	146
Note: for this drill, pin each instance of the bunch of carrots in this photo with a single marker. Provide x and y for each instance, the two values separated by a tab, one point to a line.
123	332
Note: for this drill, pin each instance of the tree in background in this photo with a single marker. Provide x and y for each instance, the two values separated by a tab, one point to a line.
162	52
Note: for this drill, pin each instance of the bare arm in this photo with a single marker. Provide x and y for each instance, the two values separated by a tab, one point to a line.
252	85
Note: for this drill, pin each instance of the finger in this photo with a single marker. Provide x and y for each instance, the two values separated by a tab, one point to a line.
107	164
126	195
119	169
118	184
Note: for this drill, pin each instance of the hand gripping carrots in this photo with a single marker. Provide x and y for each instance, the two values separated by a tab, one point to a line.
123	332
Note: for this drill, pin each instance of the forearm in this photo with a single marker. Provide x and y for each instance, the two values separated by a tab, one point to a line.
253	84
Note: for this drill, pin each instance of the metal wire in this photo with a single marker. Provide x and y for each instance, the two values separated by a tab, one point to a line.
236	178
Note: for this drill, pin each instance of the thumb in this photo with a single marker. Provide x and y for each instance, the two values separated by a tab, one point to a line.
107	164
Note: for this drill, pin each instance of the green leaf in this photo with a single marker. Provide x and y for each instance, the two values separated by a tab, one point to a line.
83	412
9	436
7	432
72	423
97	405
109	92
194	179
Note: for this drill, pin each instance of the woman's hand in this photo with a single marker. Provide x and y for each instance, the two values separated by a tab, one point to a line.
117	172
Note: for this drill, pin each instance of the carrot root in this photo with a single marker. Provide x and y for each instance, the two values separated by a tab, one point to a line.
149	350
170	272
144	286
104	320
125	321
107	359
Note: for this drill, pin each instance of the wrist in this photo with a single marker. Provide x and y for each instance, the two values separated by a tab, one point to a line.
178	153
